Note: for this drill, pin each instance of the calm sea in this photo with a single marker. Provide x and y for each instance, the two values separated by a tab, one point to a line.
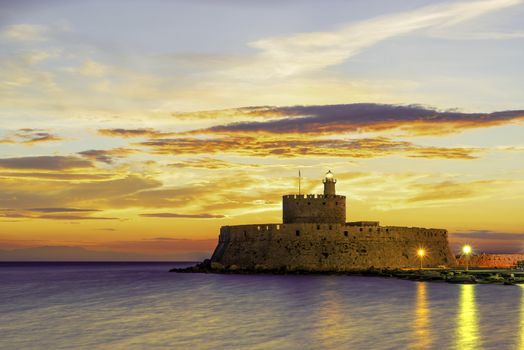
142	306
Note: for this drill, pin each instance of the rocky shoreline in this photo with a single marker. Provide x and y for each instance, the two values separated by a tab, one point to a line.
448	275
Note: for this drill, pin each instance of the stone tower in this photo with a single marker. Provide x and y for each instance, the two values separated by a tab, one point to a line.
327	208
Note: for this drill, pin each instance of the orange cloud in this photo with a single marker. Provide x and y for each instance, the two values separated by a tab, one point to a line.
360	117
106	156
52	214
301	147
30	136
185	216
45	163
209	163
131	133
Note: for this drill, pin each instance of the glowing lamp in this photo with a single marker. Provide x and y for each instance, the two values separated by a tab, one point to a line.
466	250
329	175
421	252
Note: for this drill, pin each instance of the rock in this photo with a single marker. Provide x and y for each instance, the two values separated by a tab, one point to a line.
234	268
217	266
260	268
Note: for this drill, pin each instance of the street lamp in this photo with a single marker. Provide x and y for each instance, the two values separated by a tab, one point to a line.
466	251
421	253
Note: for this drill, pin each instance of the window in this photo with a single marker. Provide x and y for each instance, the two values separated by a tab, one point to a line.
346	233
330	227
318	227
323	203
361	229
297	232
370	229
308	203
278	227
336	203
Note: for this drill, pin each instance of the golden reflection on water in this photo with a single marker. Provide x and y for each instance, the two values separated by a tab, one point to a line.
333	326
422	331
467	323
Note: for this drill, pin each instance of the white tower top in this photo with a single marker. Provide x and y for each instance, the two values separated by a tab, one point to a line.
329	183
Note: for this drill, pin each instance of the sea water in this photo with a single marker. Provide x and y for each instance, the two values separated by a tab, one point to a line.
143	306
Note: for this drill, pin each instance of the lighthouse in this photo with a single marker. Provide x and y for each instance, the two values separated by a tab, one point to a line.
329	183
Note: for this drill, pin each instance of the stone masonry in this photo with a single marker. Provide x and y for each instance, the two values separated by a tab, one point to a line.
315	237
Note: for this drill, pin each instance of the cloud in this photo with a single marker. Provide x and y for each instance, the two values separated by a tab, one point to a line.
446	191
53	214
302	53
45	163
61	210
210	163
21	194
260	146
364	117
30	137
184	216
58	176
91	68
106	156
230	113
25	32
130	133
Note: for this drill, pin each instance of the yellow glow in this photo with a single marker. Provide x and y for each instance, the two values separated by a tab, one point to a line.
421	252
467	324
466	249
329	175
423	336
334	325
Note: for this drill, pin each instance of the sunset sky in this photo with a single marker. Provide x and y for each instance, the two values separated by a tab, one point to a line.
135	129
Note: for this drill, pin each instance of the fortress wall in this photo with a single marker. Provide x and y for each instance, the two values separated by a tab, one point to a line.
498	261
330	247
314	208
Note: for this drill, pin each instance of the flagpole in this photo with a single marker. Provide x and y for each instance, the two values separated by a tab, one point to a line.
299	182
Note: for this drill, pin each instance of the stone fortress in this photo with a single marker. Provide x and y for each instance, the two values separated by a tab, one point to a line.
315	236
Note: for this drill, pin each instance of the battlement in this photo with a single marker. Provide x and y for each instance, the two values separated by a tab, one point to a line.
363	223
314	208
311	196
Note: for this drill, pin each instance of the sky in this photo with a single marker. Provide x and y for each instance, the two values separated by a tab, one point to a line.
133	130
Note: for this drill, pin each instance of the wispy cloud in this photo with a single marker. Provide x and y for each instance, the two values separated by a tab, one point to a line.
45	163
301	53
182	216
210	163
25	32
106	156
302	147
130	133
53	214
30	136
